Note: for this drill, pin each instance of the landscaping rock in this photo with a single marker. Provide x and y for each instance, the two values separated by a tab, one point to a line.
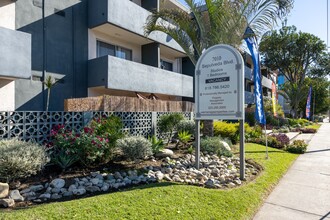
27	190
16	196
56	196
165	153
159	175
79	192
95	181
4	190
58	183
7	203
92	189
226	145
56	190
105	187
67	193
45	196
36	188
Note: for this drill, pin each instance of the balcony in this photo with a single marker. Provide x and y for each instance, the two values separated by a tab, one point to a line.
15	56
249	97
115	73
266	82
108	16
248	73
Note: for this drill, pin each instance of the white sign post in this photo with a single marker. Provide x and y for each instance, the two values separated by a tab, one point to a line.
219	91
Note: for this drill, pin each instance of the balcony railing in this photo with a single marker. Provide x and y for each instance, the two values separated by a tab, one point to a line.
15	54
115	73
126	15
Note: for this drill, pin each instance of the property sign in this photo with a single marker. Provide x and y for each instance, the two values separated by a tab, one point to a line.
219	87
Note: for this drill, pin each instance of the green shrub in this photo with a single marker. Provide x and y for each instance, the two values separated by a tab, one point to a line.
282	140
215	145
282	129
68	147
184	137
110	128
250	118
134	147
19	159
186	125
298	122
271	141
254	132
156	144
229	130
168	124
297	147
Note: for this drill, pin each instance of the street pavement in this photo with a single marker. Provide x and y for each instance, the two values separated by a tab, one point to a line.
304	191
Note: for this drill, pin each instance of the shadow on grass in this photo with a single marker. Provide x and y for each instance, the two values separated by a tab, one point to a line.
29	205
270	152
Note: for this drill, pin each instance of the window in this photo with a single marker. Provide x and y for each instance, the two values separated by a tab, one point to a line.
166	65
105	49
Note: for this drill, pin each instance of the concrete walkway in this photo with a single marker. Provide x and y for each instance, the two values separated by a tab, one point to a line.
304	192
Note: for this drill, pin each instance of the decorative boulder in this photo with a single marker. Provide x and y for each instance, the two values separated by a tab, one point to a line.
4	190
16	196
165	153
226	145
7	203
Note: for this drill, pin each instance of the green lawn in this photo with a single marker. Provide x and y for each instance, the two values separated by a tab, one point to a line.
315	126
172	201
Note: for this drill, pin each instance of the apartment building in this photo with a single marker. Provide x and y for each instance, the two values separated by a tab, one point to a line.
91	48
15	55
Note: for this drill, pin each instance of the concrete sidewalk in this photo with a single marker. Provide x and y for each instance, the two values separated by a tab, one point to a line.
304	192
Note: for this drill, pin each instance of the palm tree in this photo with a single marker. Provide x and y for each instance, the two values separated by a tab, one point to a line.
212	22
49	82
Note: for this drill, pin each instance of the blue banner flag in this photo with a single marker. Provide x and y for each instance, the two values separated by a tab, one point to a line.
253	47
308	104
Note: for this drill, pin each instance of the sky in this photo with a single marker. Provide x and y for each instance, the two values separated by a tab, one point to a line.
309	16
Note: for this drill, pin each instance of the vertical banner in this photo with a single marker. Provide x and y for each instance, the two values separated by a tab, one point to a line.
274	98
308	104
253	47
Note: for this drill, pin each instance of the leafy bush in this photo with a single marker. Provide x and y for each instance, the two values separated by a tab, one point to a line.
229	130
215	145
282	139
308	130
297	147
19	159
276	121
184	137
68	147
254	132
186	125
298	122
135	147
271	141
110	128
168	124
156	144
283	129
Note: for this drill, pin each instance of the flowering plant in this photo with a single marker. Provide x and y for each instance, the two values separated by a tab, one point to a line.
69	147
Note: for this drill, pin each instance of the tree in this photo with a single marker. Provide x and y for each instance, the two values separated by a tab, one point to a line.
212	22
293	54
320	92
49	82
